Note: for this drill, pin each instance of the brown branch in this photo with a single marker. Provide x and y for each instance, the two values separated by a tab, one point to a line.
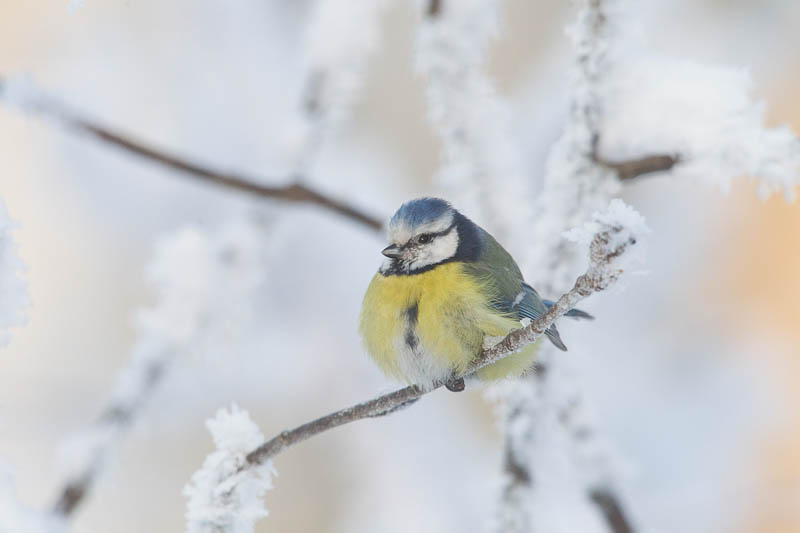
295	192
434	8
597	278
633	168
612	511
382	405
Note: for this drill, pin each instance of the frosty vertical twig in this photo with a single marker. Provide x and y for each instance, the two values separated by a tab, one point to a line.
574	185
480	159
201	279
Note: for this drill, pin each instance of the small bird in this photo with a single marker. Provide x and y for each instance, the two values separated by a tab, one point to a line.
446	290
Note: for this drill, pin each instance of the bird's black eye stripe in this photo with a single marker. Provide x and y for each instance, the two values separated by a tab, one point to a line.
425	238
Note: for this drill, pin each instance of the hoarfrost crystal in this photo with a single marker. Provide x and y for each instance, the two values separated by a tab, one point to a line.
225	497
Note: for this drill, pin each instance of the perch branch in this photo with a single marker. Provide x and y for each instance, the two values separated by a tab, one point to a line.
597	278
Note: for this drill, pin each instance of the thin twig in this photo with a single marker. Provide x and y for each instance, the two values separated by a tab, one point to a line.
628	170
596	279
434	8
633	168
295	192
612	511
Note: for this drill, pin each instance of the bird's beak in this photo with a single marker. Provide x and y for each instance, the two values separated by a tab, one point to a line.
392	251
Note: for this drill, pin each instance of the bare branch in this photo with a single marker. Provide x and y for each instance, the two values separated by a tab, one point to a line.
597	278
434	8
612	511
295	192
633	168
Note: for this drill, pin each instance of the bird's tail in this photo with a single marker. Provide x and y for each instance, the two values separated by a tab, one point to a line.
574	313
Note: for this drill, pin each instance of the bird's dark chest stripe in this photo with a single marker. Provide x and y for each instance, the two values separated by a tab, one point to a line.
412	316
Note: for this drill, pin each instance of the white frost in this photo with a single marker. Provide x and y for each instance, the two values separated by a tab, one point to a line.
224	497
480	159
203	280
624	226
340	38
704	113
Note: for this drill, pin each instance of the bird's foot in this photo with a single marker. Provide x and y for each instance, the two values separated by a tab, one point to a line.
455	385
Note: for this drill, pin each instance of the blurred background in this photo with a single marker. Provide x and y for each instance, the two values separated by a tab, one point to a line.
692	371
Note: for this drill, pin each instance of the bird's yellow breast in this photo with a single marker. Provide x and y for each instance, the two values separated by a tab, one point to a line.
427	326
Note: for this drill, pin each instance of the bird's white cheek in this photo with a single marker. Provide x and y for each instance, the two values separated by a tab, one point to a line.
442	248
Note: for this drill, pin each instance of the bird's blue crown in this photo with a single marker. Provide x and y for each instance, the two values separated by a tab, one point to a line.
420	211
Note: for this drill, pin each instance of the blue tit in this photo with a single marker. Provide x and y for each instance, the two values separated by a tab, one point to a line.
446	290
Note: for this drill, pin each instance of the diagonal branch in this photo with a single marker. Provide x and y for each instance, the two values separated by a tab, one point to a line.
604	253
295	191
292	192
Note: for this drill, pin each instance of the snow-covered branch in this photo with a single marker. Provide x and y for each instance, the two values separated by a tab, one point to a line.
22	93
480	159
574	186
202	280
224	496
616	233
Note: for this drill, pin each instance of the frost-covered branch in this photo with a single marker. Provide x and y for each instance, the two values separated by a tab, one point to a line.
574	185
616	232
202	281
480	158
20	92
225	496
482	170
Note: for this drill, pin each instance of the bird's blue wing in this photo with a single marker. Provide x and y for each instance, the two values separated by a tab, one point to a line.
530	305
510	292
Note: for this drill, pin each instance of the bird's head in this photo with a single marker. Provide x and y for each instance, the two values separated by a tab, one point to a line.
424	233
